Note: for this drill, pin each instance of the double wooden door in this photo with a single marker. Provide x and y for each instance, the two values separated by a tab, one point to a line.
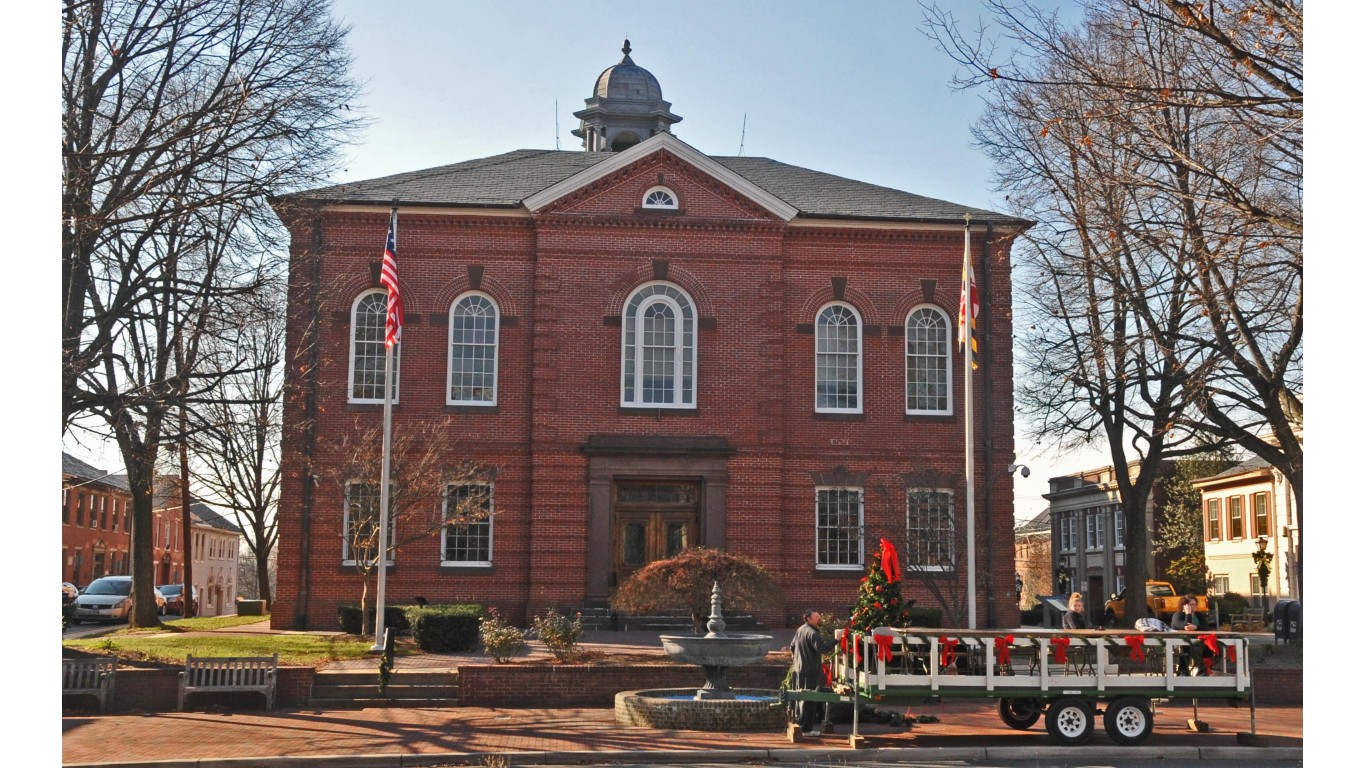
651	520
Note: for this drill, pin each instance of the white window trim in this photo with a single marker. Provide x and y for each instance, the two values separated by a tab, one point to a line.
346	527
953	523
1095	530
442	552
450	349
815	509
351	356
858	364
659	188
637	325
948	361
1117	515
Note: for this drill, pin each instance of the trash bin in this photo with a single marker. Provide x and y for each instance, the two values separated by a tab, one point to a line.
1294	623
1279	623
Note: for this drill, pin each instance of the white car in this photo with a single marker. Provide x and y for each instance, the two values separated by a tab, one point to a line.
108	598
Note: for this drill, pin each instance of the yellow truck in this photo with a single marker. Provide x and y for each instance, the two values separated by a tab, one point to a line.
1162	602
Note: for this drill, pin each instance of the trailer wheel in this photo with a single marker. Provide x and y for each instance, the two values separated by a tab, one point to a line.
1020	714
1070	720
1129	720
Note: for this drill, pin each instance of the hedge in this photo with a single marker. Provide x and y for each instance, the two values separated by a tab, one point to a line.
446	628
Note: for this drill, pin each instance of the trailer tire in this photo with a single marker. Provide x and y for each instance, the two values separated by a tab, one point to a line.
1071	720
1129	720
1020	714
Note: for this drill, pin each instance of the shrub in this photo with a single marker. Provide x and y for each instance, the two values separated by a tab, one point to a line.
352	622
684	581
501	640
560	633
445	628
926	617
1229	603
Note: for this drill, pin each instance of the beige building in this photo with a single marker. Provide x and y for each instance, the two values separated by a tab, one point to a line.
216	545
1244	505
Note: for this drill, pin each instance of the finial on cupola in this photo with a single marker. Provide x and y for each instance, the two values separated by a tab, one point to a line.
626	48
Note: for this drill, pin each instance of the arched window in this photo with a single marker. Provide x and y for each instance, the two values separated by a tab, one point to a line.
659	348
367	349
839	360
473	364
660	197
928	383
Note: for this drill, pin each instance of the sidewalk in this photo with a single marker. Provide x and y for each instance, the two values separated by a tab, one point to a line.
392	737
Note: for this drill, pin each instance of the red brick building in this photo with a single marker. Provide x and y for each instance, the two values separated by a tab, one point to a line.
654	349
97	517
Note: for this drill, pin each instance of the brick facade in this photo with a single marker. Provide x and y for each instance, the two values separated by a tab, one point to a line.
97	514
559	435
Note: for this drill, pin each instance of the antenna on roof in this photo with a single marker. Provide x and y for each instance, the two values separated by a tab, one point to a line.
743	124
557	124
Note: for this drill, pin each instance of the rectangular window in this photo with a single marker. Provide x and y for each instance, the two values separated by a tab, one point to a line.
839	528
1119	579
1235	517
1067	531
66	505
1213	512
360	525
1119	528
1095	529
80	508
929	529
1255	588
468	543
1260	513
1221	583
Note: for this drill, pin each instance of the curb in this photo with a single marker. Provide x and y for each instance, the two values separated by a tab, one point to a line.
730	756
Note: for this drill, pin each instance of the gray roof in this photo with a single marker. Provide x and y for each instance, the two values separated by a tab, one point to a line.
209	516
77	468
506	180
1254	463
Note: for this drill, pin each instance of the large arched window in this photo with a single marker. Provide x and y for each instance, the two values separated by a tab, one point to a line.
839	360
928	383
367	350
473	364
659	348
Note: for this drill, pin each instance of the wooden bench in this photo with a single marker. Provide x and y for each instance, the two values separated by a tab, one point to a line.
94	677
228	674
1251	621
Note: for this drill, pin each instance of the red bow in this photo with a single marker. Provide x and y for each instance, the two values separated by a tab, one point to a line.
1232	655
1135	648
1211	642
884	646
1209	664
829	680
1003	649
891	567
1060	648
948	651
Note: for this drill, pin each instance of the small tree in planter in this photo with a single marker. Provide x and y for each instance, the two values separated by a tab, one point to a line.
684	581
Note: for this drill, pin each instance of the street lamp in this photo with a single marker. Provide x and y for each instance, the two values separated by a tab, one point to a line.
1263	559
1062	574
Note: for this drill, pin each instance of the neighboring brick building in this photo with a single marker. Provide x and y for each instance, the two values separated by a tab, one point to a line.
654	348
97	514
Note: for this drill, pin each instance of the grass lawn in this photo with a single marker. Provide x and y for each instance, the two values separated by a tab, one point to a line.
171	643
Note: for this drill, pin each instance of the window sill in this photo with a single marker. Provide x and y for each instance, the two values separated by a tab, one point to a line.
453	569
657	413
929	418
824	416
468	408
838	573
368	407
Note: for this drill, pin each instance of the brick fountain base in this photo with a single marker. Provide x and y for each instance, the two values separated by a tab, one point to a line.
675	708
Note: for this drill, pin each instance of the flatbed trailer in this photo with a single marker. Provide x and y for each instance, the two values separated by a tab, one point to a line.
1066	677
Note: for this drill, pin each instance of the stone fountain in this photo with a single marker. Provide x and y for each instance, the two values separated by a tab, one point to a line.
715	706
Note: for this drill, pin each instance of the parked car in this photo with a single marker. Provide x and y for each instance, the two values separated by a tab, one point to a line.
108	598
175	594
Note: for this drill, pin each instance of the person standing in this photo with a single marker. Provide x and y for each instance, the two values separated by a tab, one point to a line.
807	649
1075	618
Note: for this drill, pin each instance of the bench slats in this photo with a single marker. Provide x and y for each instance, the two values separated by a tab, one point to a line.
89	676
229	674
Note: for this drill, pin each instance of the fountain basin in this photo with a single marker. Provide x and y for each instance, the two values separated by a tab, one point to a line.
758	709
727	650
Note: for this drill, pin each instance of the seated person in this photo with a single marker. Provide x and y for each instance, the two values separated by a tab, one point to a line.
1075	618
1186	620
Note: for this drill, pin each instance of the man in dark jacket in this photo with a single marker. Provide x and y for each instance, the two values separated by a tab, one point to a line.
807	649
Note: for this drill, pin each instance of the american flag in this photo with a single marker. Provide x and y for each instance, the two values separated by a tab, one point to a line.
967	325
388	277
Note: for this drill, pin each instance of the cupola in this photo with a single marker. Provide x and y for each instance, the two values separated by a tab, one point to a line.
626	108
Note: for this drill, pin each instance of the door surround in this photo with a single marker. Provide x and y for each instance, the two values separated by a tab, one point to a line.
627	457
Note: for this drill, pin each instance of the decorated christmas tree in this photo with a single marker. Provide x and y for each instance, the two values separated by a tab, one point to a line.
879	594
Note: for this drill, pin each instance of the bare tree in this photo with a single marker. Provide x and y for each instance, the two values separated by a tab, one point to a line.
180	117
1159	143
428	493
934	542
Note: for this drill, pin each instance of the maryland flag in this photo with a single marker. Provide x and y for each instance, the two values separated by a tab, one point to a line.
967	301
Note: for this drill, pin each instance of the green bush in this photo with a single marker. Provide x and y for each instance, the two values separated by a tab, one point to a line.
445	628
501	640
352	622
926	617
560	633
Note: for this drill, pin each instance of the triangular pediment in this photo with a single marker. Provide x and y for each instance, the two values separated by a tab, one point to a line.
662	142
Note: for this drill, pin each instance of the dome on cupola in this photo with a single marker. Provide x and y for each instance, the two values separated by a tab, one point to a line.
627	107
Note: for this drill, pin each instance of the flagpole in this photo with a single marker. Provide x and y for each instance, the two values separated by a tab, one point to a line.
390	279
967	321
